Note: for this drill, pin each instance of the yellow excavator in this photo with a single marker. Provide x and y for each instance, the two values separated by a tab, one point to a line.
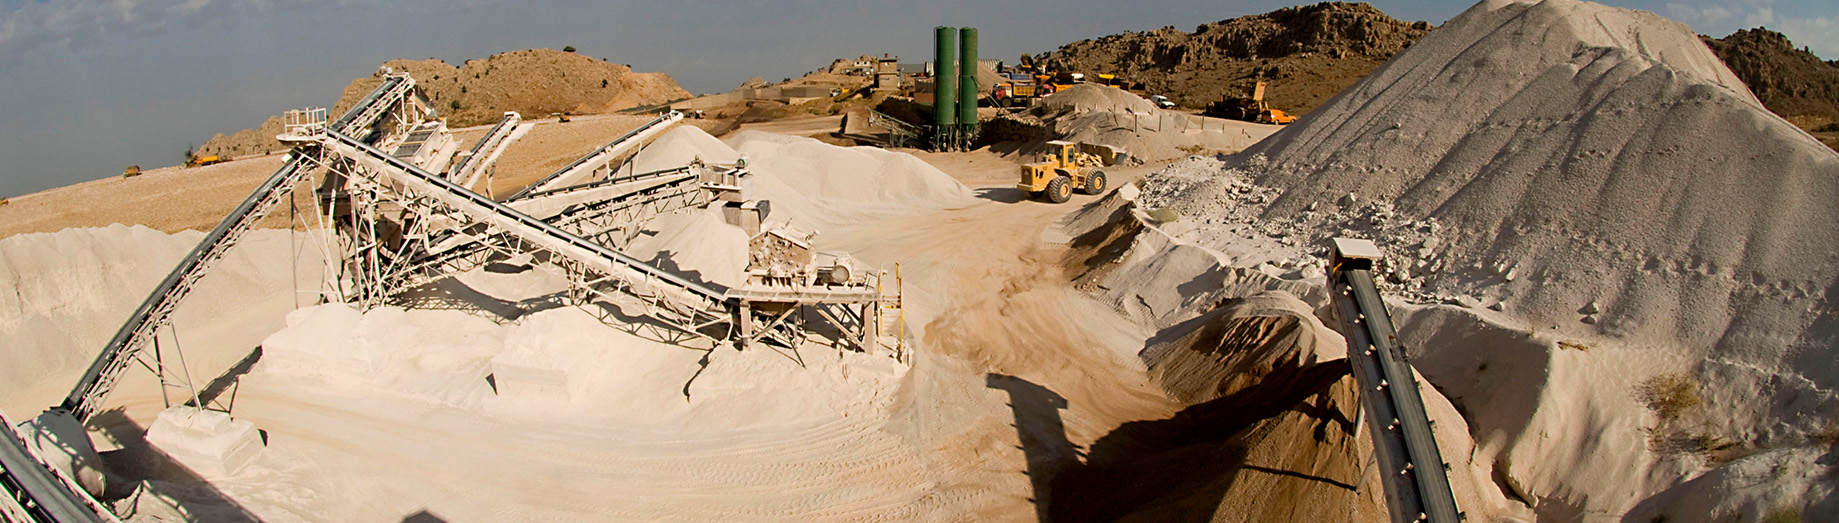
1063	169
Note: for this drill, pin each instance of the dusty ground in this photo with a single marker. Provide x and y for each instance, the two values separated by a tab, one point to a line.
1017	376
1007	387
800	126
170	199
1017	373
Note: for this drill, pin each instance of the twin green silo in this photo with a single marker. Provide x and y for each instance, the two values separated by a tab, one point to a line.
954	105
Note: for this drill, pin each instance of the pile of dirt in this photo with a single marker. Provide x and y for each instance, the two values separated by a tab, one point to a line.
1269	406
1792	82
1600	205
1306	54
535	83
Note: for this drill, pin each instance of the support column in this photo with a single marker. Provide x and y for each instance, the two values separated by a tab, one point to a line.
744	321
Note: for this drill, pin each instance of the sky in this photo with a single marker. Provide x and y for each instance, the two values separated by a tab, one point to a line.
88	87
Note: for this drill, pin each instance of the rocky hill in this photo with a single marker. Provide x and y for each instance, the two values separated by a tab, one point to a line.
533	82
1305	54
1790	81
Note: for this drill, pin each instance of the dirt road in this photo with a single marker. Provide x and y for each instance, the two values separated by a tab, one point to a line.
1018	372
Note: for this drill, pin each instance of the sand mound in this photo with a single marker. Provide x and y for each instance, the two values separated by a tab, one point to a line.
823	185
698	244
682	145
1267	389
1093	97
436	354
561	362
1222	353
1110	116
69	291
1597	174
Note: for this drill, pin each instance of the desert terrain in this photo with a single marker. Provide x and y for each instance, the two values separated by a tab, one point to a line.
1607	257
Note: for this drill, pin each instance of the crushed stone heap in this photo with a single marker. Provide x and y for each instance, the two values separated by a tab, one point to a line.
1597	174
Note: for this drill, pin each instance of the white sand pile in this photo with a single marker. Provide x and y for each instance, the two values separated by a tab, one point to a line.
66	293
1601	181
563	362
813	185
1098	114
822	185
435	354
208	442
697	244
641	428
1084	98
681	146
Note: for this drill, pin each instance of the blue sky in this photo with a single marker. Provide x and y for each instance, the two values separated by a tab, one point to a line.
88	87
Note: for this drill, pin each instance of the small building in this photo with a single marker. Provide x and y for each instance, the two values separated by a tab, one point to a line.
887	73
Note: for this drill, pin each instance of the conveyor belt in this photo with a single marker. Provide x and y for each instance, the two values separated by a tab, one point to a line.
102	374
32	492
484	152
575	172
537	232
1417	485
133	335
547	204
368	110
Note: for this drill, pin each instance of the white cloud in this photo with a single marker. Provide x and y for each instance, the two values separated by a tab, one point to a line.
1698	16
1762	16
67	25
74	24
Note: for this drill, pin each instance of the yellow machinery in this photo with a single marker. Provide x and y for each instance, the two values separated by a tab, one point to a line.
201	161
1064	168
1252	109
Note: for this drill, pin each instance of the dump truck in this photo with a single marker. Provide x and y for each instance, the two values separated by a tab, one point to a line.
1063	169
1250	109
1013	92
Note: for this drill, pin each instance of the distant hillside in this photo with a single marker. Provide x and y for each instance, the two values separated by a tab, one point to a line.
1305	54
533	82
1792	82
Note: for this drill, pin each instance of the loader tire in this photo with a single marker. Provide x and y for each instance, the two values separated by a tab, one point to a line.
1095	182
1060	190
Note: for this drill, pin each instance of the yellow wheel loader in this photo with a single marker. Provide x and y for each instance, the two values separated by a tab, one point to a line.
1064	169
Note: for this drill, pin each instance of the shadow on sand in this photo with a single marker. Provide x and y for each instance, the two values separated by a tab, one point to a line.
1175	469
139	463
1004	194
